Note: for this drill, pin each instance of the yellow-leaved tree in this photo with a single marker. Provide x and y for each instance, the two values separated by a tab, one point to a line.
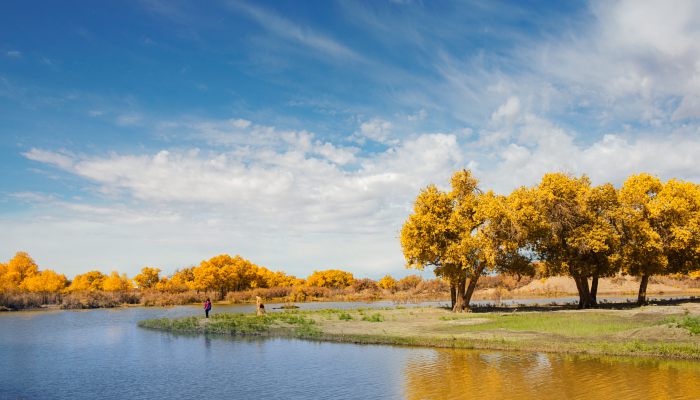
20	267
572	229
89	281
45	282
461	234
181	280
5	283
388	283
117	283
148	278
661	228
330	278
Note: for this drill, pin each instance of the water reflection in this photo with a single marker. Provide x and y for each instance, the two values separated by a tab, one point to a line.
102	354
453	374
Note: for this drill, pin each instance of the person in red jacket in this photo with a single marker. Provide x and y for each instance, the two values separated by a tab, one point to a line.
207	307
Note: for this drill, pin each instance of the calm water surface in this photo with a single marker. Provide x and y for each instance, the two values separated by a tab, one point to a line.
102	354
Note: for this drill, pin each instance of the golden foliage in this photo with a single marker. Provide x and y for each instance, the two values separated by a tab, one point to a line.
330	278
117	283
89	281
12	274
387	282
46	281
148	278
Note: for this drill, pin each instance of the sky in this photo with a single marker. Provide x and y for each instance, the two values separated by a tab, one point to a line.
298	134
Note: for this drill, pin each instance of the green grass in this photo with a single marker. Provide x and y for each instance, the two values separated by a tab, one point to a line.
559	323
345	317
591	332
688	322
238	324
376	317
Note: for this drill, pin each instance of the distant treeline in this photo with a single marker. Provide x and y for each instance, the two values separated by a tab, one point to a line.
562	226
234	279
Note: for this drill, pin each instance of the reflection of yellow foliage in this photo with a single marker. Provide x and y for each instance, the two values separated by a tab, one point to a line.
455	374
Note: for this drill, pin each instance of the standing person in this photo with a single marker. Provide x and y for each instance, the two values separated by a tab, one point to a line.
207	307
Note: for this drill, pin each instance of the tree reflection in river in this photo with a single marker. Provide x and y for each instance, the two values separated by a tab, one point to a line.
454	374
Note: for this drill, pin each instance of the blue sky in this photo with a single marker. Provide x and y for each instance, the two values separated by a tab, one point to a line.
297	134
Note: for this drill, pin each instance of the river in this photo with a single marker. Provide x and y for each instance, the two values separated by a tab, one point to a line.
102	354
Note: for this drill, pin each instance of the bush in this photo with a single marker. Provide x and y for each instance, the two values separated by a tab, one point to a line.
345	317
433	287
245	296
504	281
157	298
309	293
376	317
16	300
98	299
364	284
409	282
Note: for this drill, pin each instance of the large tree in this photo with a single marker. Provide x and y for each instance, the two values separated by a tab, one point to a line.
661	228
439	234
571	229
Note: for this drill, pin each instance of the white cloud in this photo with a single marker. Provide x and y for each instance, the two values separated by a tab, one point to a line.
540	146
287	29
57	159
14	54
317	204
508	111
627	64
378	130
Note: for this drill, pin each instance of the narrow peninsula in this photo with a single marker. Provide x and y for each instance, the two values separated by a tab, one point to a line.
669	331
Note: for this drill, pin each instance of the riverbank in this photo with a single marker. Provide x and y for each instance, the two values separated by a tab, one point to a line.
671	331
496	290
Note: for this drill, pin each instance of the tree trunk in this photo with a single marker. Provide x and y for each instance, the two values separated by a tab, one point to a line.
459	296
453	294
579	290
594	291
472	285
642	297
584	296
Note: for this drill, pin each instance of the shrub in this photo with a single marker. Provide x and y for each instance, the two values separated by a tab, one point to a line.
278	293
16	300
376	317
157	298
409	282
432	287
98	299
345	317
364	284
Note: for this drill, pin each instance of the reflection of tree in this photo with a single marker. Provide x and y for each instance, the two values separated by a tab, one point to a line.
449	374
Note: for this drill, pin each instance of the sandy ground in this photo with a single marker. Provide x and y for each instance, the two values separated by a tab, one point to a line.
618	285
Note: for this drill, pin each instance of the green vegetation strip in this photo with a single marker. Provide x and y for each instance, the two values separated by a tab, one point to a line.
279	324
566	324
605	332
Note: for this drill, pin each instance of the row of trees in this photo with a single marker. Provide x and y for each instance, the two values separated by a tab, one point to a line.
565	224
221	274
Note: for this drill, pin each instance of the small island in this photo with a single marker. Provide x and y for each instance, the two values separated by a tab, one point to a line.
668	330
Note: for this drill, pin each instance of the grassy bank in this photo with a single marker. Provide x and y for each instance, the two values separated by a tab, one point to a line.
659	331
